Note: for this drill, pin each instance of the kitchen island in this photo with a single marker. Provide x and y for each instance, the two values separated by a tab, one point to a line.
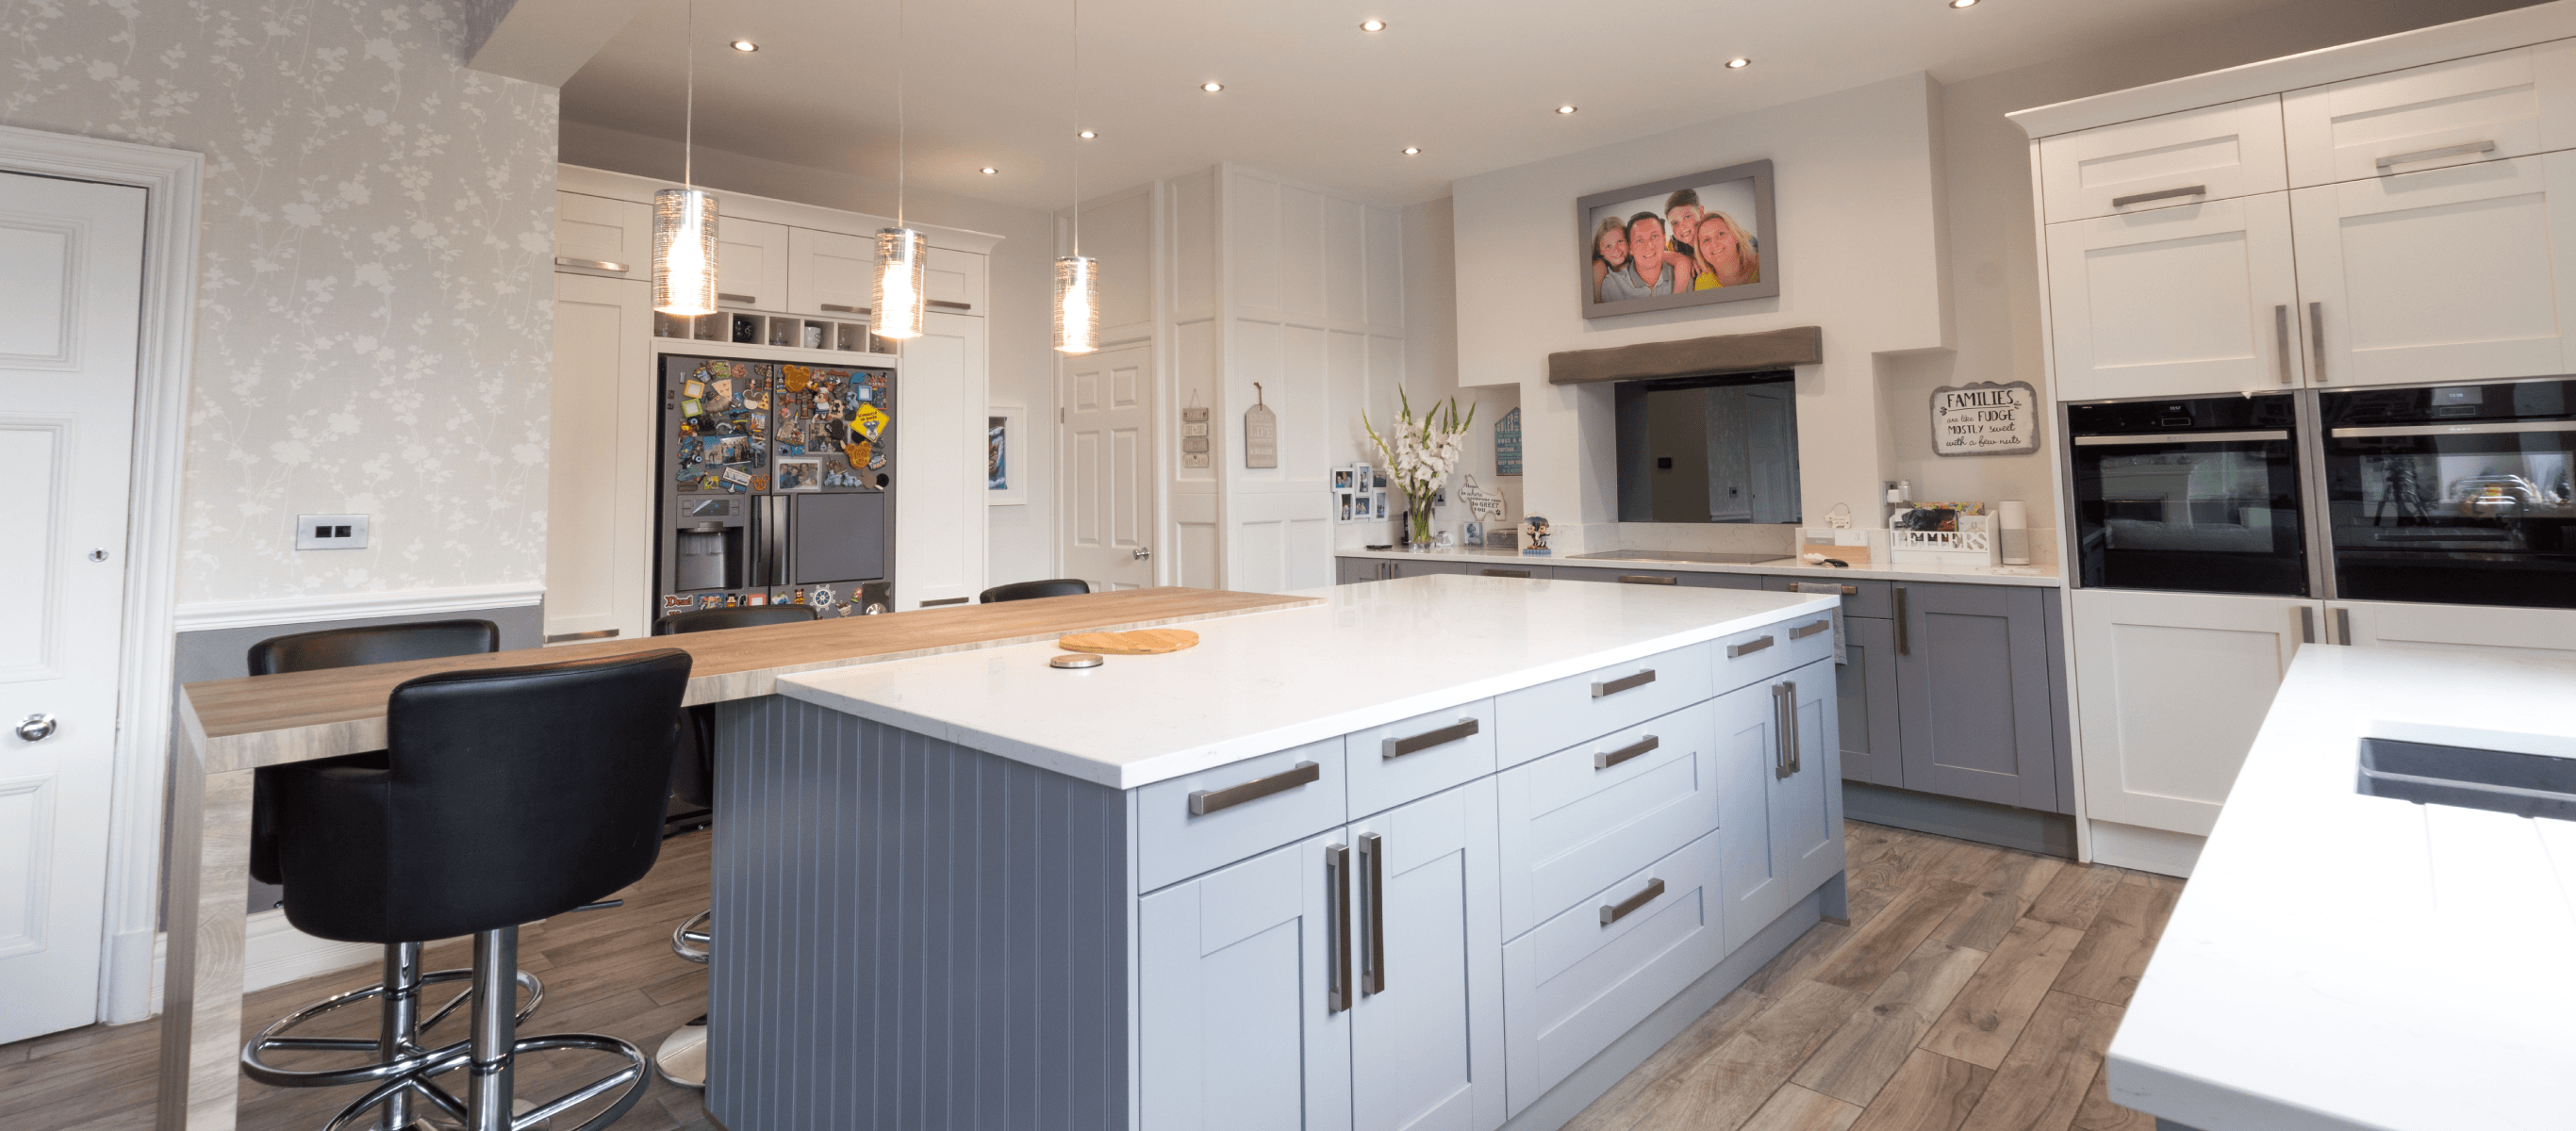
2341	961
1447	851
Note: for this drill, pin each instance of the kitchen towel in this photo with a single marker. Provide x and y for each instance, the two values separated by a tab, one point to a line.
1835	588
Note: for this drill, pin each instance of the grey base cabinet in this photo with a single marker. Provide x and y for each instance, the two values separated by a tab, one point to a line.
1866	692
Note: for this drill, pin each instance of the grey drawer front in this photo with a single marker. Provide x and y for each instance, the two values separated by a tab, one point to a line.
1571	825
1420	756
1557	714
1866	599
1753	656
1174	844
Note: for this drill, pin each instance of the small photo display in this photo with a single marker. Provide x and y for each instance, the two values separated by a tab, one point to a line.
1360	477
1342	480
804	474
1380	497
1344	498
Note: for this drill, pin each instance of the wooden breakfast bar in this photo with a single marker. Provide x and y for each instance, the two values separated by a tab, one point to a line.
229	728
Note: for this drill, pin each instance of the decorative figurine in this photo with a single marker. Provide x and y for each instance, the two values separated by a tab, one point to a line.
1534	537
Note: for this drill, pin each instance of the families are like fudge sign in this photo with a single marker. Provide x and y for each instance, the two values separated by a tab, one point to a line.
1985	419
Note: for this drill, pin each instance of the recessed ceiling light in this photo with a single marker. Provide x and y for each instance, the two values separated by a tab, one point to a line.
1087	135
745	45
1372	25
1211	87
1412	150
989	170
1565	109
1963	3
1738	63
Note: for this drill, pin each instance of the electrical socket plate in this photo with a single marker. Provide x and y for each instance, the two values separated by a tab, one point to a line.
330	532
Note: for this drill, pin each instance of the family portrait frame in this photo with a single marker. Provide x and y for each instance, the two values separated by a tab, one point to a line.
1742	261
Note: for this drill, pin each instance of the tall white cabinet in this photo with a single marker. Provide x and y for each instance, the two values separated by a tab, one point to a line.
777	258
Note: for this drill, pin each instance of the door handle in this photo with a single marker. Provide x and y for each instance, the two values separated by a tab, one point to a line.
1797	742
1507	573
1337	892
944	304
2317	341
1903	643
1373	877
1623	683
1143	552
1608	758
36	727
1647	579
1806	630
2281	333
843	308
2343	624
1734	651
593	264
2429	154
1613	912
1206	801
746	300
2307	625
1399	747
2159	194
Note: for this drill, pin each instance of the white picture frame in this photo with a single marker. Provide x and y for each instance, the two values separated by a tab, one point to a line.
1006	436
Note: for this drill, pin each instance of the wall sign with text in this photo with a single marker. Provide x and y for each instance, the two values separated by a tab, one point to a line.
1985	419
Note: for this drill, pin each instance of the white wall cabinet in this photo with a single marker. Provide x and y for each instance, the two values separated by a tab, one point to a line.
2171	688
2194	157
599	470
595	235
830	274
2180	301
751	263
2488	107
953	281
2459	274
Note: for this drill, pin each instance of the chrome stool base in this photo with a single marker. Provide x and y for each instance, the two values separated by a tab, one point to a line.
398	1054
682	1059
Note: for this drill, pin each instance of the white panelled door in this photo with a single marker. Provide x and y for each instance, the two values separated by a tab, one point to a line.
2183	301
2459	274
71	273
1107	441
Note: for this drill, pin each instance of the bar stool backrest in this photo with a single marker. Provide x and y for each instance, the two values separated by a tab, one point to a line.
372	644
1030	590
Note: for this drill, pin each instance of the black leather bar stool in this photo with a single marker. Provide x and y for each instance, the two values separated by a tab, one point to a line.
682	1057
402	1032
507	795
1030	590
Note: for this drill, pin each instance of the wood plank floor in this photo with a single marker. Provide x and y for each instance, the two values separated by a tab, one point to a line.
1974	990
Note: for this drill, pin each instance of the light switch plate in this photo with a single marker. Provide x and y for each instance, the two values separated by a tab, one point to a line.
330	532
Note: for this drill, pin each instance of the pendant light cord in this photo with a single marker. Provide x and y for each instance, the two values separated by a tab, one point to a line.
1077	129
689	114
899	44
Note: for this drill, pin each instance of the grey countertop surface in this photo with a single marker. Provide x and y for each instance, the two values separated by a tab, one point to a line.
2044	576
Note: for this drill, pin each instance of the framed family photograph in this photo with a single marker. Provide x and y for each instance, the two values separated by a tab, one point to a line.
1683	241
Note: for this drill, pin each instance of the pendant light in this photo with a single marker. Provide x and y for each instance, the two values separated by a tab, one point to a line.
1077	280
684	218
902	265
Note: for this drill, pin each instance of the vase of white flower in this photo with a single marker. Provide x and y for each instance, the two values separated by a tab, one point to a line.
1422	454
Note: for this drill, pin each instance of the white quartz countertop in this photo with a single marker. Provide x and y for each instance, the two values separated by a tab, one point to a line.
2037	575
2341	961
1370	655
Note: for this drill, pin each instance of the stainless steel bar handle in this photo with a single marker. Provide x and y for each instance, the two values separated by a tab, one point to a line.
2281	333
1507	573
1647	579
2317	341
1337	893
1623	683
1748	647
2159	194
1605	759
2445	151
746	300
1373	877
593	264
1806	630
1903	639
1399	747
2307	625
2180	438
1779	732
844	308
1797	741
2343	624
944	304
1206	801
2473	428
1613	912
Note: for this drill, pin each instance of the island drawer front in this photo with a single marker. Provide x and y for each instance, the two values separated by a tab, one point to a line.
1419	756
1571	824
1557	714
1576	984
1748	658
1174	844
1865	599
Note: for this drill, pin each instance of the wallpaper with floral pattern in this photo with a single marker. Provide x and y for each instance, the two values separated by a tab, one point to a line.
374	324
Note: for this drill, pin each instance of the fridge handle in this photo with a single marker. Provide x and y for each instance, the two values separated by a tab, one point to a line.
769	559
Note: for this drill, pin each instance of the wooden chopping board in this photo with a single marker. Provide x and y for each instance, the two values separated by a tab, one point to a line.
1138	642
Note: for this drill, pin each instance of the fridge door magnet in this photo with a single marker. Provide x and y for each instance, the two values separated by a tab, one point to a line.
800	474
735	479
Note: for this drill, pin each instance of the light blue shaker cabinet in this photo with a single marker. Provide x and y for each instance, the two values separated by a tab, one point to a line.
1781	797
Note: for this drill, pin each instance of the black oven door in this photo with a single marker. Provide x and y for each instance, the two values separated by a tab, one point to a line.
2204	512
2458	495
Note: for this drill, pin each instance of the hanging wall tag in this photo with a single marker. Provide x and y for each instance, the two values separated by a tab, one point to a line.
1260	433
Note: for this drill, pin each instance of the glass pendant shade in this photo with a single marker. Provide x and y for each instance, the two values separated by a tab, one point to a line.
684	251
1077	304
902	268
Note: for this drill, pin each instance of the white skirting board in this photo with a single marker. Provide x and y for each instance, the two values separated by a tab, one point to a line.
275	954
2146	850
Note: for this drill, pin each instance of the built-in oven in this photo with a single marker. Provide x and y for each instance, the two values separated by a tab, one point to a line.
2457	494
2200	495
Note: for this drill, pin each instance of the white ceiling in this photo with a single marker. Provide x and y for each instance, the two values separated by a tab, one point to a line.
1308	94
